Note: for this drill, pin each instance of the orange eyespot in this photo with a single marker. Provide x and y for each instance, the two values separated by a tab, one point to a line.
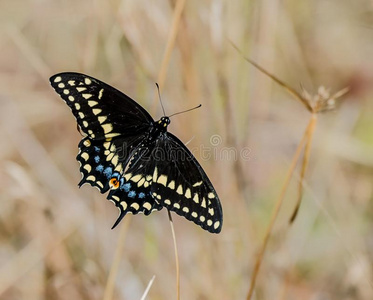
114	183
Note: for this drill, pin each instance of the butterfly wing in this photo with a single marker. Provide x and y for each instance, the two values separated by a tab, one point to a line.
181	185
102	112
101	160
115	125
115	155
168	175
133	195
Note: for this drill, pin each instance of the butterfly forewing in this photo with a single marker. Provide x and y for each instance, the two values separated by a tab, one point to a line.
181	185
101	111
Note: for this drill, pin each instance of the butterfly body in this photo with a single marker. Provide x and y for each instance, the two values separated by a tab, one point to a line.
134	158
159	128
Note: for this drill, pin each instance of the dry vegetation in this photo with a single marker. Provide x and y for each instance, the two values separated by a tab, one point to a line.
55	240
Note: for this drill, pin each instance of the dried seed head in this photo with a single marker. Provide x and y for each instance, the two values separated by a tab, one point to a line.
323	101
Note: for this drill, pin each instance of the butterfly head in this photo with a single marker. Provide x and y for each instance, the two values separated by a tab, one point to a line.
163	123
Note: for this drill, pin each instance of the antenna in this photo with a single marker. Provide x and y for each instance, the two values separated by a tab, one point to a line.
180	112
160	99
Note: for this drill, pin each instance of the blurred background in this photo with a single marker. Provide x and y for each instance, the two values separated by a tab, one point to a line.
55	239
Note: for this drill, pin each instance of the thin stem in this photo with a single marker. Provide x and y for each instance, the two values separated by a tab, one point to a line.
306	158
110	284
276	211
148	288
278	81
179	7
176	256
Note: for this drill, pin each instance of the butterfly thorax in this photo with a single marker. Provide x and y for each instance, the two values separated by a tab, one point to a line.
162	124
159	127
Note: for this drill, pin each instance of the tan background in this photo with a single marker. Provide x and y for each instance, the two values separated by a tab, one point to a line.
55	240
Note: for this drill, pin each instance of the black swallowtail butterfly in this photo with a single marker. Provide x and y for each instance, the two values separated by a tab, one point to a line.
127	153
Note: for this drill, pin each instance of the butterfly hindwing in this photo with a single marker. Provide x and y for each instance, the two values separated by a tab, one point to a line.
93	164
100	159
101	111
177	182
133	195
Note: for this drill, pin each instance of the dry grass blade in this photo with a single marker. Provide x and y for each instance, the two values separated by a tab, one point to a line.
29	257
161	79
179	7
32	56
322	101
306	157
341	93
110	284
176	256
276	211
148	288
278	81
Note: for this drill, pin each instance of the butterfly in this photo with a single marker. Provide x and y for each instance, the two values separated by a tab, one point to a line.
134	158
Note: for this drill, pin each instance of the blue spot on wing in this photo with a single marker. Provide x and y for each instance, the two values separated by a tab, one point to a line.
141	195
97	159
126	187
97	149
108	171
100	168
132	194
